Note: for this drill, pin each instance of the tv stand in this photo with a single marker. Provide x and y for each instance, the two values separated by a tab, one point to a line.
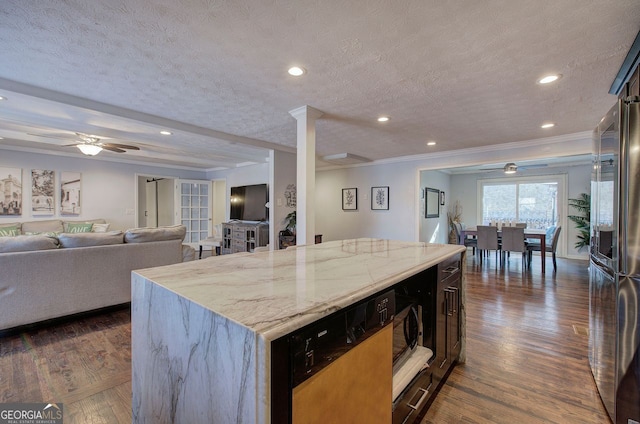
239	236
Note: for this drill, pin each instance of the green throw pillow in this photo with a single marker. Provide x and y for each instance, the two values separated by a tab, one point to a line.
11	231
79	227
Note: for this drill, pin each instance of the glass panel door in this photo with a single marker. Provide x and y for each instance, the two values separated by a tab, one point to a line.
193	209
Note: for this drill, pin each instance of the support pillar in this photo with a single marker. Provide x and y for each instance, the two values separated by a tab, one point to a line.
306	173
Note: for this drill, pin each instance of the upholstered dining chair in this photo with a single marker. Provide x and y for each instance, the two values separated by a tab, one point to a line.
487	240
513	241
458	228
551	244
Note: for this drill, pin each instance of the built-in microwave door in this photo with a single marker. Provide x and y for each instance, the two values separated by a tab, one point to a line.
604	194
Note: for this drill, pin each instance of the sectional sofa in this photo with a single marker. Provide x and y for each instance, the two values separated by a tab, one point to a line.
47	272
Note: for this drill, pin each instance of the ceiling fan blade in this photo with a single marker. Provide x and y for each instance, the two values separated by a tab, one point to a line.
70	145
121	146
111	148
539	165
61	136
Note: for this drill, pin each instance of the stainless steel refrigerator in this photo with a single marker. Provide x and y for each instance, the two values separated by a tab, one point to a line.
614	283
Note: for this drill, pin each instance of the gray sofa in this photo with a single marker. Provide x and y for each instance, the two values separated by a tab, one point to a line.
49	274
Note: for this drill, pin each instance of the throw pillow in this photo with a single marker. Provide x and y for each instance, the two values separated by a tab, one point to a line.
90	239
53	234
11	231
79	227
143	235
27	243
100	228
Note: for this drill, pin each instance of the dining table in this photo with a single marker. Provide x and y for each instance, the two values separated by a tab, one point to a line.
530	233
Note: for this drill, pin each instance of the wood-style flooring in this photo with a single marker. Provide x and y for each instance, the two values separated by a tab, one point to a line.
526	355
527	341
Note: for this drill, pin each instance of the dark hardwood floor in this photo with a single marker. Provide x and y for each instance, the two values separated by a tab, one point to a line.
526	355
527	347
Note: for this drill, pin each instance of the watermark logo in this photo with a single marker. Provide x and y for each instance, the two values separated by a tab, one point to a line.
31	413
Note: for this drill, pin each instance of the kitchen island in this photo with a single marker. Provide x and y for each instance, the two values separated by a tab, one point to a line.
202	331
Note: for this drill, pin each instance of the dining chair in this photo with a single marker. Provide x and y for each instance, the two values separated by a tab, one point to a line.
458	228
487	240
551	244
521	224
513	241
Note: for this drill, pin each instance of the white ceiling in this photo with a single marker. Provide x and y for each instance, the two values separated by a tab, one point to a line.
462	73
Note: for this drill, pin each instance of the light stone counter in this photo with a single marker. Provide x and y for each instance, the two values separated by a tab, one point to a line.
201	330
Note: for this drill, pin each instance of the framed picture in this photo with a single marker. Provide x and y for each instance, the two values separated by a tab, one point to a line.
432	203
442	198
43	191
70	193
11	190
380	198
349	199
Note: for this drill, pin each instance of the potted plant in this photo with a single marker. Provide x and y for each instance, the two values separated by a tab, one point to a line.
582	221
287	237
290	221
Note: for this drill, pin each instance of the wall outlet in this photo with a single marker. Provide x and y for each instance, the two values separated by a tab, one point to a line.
279	201
129	212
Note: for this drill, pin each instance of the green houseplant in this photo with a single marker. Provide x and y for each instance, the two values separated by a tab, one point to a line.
290	221
582	219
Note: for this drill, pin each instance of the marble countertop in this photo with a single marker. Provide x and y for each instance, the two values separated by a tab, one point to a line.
274	293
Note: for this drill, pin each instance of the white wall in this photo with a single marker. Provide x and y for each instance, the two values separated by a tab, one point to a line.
405	218
399	222
108	188
435	230
282	175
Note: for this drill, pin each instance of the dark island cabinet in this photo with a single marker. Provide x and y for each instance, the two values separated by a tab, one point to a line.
448	317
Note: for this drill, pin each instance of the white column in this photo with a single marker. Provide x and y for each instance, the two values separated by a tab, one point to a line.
306	173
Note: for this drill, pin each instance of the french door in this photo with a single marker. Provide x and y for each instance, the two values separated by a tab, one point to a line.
193	198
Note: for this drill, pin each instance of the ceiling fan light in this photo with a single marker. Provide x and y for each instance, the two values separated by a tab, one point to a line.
510	168
89	149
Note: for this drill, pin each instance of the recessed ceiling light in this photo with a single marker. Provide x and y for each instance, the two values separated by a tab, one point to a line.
383	119
3	98
1	138
549	78
431	143
296	71
548	125
165	132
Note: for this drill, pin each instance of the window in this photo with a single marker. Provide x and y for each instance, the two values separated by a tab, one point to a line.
532	200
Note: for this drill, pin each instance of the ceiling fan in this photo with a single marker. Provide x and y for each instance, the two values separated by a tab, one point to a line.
512	168
91	145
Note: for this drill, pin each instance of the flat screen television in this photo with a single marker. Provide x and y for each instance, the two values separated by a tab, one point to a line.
248	203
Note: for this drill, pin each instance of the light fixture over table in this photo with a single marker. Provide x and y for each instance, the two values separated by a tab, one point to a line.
510	168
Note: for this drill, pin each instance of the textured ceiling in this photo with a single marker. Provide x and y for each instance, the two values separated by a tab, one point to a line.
462	73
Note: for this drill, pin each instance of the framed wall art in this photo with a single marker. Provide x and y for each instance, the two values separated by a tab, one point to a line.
10	191
70	193
380	198
432	203
43	191
349	199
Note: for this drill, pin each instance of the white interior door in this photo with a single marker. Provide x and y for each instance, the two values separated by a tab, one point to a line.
151	206
192	209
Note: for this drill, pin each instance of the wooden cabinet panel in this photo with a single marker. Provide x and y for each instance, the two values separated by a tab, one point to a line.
448	323
356	388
